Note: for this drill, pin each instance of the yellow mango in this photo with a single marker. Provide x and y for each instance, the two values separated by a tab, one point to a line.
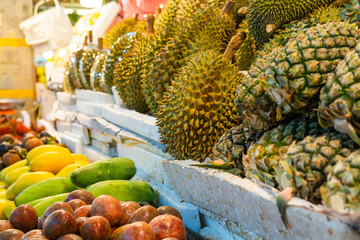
26	180
66	171
51	162
9	207
2	184
12	167
3	190
3	195
13	175
44	149
3	203
79	157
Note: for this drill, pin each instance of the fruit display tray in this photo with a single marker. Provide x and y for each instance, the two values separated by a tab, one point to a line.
251	205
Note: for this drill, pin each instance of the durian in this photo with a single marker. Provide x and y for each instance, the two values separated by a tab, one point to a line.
128	71
96	69
245	55
192	35
86	63
74	62
124	27
264	13
118	49
198	107
167	16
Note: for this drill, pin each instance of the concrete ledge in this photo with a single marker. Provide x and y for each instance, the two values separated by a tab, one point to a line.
144	159
133	121
65	98
74	142
81	131
88	108
94	155
252	206
94	97
84	119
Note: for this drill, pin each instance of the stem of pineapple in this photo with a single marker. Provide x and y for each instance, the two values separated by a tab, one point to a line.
234	45
228	7
150	24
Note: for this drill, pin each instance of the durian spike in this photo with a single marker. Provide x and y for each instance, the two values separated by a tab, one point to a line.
234	45
243	11
90	36
228	7
136	16
339	2
150	24
100	43
85	41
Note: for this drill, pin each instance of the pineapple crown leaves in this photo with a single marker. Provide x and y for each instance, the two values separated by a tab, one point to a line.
351	11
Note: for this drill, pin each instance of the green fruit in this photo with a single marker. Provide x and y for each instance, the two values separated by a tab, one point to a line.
199	106
11	177
124	27
339	99
42	204
9	207
96	74
277	12
289	78
123	190
110	169
46	188
85	65
117	50
191	36
167	16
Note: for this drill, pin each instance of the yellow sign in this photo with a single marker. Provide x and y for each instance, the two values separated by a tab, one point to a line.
17	93
13	42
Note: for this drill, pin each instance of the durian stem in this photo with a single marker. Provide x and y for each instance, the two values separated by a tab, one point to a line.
90	36
100	43
339	2
228	7
86	41
150	24
234	45
157	11
243	11
271	29
136	16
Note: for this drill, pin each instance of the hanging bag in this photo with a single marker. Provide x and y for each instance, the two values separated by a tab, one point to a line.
47	30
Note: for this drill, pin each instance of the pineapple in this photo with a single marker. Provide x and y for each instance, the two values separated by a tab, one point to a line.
342	190
339	99
307	163
264	154
291	76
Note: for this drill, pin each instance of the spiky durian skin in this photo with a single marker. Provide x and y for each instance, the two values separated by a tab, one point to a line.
340	99
96	72
245	55
68	84
192	35
127	73
199	106
264	12
293	75
341	192
307	163
167	16
123	27
118	49
74	68
85	65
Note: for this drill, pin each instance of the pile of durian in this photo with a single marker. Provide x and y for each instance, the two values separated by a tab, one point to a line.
265	89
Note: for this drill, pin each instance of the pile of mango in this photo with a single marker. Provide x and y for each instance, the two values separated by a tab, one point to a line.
50	172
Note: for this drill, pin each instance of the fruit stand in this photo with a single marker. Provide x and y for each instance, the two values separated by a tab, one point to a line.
206	119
